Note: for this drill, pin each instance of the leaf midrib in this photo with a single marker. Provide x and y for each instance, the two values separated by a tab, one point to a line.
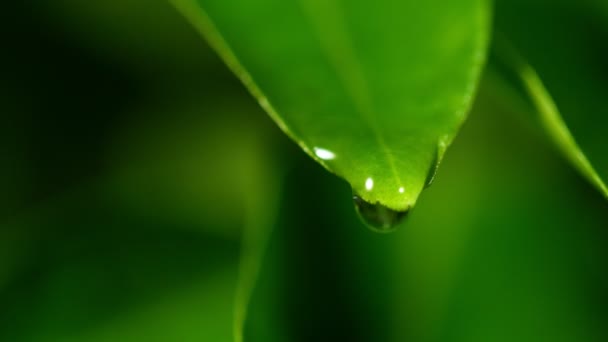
347	67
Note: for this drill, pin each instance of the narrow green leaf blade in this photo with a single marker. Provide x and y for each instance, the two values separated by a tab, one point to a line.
261	211
553	56
373	91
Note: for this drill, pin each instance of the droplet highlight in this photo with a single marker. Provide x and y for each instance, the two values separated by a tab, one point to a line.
378	217
324	153
369	184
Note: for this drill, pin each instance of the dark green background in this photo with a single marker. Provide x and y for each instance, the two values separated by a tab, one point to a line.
126	152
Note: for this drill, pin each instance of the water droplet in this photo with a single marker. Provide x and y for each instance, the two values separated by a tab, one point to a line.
430	176
401	190
378	217
441	147
324	154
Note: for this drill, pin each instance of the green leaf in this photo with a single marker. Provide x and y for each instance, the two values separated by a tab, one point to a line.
489	261
373	91
261	204
237	180
552	55
186	205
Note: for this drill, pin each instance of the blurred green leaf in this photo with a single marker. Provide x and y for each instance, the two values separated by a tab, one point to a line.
374	92
192	160
552	60
261	211
209	161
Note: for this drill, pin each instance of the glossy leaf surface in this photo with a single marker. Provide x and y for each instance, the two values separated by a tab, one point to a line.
373	91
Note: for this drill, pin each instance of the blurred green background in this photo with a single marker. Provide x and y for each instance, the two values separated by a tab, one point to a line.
132	162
